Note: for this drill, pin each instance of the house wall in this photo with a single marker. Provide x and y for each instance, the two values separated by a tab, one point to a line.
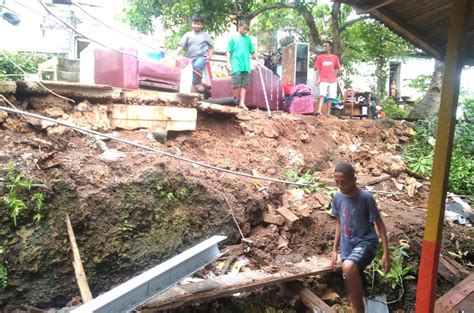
38	32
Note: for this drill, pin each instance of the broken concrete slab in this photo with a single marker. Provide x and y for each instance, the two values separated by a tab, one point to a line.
143	96
71	90
217	108
152	117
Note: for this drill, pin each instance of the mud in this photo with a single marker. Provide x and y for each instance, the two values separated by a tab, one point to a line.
134	212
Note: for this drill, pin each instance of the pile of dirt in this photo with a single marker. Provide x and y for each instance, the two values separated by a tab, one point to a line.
132	209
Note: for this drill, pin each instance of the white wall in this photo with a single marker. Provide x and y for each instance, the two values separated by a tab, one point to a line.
43	34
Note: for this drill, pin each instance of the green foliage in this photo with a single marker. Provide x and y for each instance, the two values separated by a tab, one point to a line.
392	109
3	271
27	61
17	197
420	152
305	177
370	41
398	274
421	83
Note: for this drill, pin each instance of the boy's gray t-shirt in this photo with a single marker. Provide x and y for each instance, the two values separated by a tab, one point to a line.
357	215
197	44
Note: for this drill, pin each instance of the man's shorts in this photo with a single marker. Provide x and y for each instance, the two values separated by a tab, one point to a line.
362	256
199	62
240	79
328	90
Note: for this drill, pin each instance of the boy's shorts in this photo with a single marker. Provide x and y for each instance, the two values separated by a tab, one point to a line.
240	79
328	90
362	256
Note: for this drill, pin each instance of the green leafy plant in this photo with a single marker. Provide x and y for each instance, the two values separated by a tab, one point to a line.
421	83
3	271
305	177
398	274
392	109
419	154
27	61
15	198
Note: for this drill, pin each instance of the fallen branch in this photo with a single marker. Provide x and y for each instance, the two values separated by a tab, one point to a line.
81	278
235	221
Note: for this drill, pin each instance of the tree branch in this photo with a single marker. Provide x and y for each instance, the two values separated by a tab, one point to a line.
352	22
268	7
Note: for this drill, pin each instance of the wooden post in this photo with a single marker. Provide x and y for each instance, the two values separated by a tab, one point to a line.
81	278
425	296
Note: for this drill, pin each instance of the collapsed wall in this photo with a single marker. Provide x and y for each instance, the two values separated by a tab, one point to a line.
132	209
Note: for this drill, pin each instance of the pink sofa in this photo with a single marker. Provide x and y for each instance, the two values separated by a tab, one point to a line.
126	71
222	88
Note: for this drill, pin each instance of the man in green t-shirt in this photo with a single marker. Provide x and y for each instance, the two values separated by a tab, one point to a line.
239	50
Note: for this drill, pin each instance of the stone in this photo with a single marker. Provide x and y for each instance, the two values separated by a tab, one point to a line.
54	112
50	101
3	116
273	219
270	133
304	137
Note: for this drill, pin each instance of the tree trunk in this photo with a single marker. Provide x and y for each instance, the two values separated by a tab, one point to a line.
336	40
313	29
429	104
381	77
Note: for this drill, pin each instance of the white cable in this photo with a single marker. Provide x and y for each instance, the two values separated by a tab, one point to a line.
37	81
113	29
81	129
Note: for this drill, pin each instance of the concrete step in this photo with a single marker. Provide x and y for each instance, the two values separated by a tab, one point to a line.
68	76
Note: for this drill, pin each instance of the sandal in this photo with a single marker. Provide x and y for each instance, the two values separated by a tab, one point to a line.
243	107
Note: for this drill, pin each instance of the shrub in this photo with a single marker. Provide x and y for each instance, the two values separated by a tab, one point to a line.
420	152
392	109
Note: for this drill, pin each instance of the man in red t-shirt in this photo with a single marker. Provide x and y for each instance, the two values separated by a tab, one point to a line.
326	67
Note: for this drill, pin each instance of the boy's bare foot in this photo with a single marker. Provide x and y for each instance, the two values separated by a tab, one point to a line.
243	107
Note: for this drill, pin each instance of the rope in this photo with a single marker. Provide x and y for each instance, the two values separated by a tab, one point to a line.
147	148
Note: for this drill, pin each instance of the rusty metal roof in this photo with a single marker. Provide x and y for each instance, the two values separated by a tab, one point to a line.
424	23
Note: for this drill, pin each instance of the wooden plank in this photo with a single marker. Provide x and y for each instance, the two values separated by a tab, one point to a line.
375	6
152	117
369	180
81	278
229	284
426	287
430	12
455	296
309	299
448	268
407	32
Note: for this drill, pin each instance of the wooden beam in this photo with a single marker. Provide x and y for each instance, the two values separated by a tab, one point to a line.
455	296
407	32
425	296
312	301
229	284
375	6
430	12
448	268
